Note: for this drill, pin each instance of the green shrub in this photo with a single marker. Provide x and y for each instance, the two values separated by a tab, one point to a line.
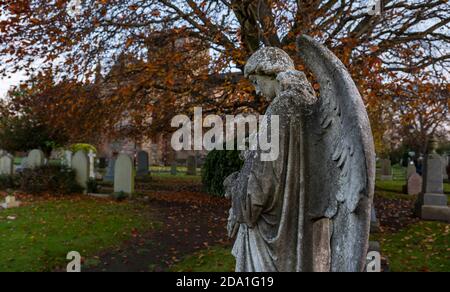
85	147
51	179
218	166
8	182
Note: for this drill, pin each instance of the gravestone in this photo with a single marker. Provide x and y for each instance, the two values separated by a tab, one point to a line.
36	158
374	229
124	175
80	164
23	163
10	202
109	177
444	167
432	202
410	170
67	159
92	156
415	184
142	164
386	169
374	223
6	164
192	165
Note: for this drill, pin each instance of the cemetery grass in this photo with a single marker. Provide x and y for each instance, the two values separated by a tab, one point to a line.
394	189
422	247
166	176
214	259
44	231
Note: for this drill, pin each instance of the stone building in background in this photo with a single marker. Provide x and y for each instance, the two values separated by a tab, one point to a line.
158	147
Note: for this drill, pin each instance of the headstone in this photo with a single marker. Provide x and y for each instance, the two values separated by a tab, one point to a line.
80	164
433	203
192	165
386	169
68	155
374	229
415	183
142	164
6	164
24	163
374	224
10	202
433	179
92	156
109	177
124	175
410	170
36	158
444	167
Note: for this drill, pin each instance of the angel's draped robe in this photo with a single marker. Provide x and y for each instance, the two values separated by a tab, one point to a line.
275	233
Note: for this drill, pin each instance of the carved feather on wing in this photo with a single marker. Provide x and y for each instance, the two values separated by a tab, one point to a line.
340	150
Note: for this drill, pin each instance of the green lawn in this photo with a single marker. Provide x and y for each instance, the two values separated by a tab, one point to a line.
394	190
424	246
214	259
44	232
180	176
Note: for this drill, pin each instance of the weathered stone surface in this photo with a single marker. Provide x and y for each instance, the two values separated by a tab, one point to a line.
143	164
374	246
80	164
374	224
415	184
433	179
436	213
445	164
10	202
24	163
68	155
435	199
124	174
6	164
310	208
36	158
410	171
92	156
386	169
321	245
432	203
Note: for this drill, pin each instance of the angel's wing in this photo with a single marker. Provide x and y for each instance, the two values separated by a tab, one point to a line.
340	157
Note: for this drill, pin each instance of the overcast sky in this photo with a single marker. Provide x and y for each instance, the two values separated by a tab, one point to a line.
6	83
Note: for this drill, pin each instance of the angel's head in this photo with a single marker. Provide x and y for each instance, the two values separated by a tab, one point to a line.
263	68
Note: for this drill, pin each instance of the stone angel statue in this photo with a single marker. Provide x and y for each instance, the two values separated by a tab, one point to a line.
309	209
